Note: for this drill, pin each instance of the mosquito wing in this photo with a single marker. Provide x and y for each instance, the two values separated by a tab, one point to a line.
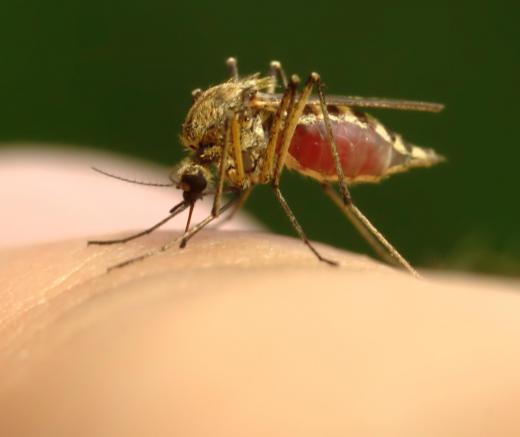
365	102
377	102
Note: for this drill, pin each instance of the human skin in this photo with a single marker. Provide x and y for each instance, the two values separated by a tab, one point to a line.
246	333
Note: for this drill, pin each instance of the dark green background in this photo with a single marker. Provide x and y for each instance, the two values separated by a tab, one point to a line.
118	74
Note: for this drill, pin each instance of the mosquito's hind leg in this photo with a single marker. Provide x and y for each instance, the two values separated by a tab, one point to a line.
297	227
375	238
363	231
347	199
358	219
228	142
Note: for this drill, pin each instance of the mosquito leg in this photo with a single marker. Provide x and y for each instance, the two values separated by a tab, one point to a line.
290	126
297	227
232	138
286	104
173	212
293	115
358	219
237	148
232	66
199	226
291	122
365	233
222	167
294	112
351	211
244	195
330	137
275	70
186	236
233	202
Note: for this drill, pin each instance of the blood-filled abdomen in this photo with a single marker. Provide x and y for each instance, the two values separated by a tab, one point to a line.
362	151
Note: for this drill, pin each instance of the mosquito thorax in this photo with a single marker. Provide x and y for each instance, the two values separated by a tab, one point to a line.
206	119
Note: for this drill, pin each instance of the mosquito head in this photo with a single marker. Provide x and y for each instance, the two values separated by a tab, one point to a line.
192	179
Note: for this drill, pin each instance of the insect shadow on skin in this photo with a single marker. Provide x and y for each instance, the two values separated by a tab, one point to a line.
241	133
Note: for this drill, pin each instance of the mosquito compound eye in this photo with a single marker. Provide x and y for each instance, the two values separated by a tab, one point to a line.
193	184
196	182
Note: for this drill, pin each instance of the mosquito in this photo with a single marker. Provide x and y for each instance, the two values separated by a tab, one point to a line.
241	133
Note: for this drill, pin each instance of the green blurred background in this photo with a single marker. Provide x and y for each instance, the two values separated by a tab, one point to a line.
117	75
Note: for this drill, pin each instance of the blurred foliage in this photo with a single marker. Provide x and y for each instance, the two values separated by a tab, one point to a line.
118	75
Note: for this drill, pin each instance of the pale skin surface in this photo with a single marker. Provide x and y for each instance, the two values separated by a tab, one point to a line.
246	334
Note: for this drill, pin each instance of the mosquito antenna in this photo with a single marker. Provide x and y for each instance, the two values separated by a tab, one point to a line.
132	181
177	209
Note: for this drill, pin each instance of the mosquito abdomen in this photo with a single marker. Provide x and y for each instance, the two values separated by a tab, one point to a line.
367	151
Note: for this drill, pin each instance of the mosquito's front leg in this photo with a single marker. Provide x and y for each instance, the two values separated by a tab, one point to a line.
330	137
232	140
369	232
173	212
222	167
240	177
185	237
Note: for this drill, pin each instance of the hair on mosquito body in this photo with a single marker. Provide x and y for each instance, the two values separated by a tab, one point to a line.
241	133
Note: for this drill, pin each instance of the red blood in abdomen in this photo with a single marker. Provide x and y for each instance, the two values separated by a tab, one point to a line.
362	151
